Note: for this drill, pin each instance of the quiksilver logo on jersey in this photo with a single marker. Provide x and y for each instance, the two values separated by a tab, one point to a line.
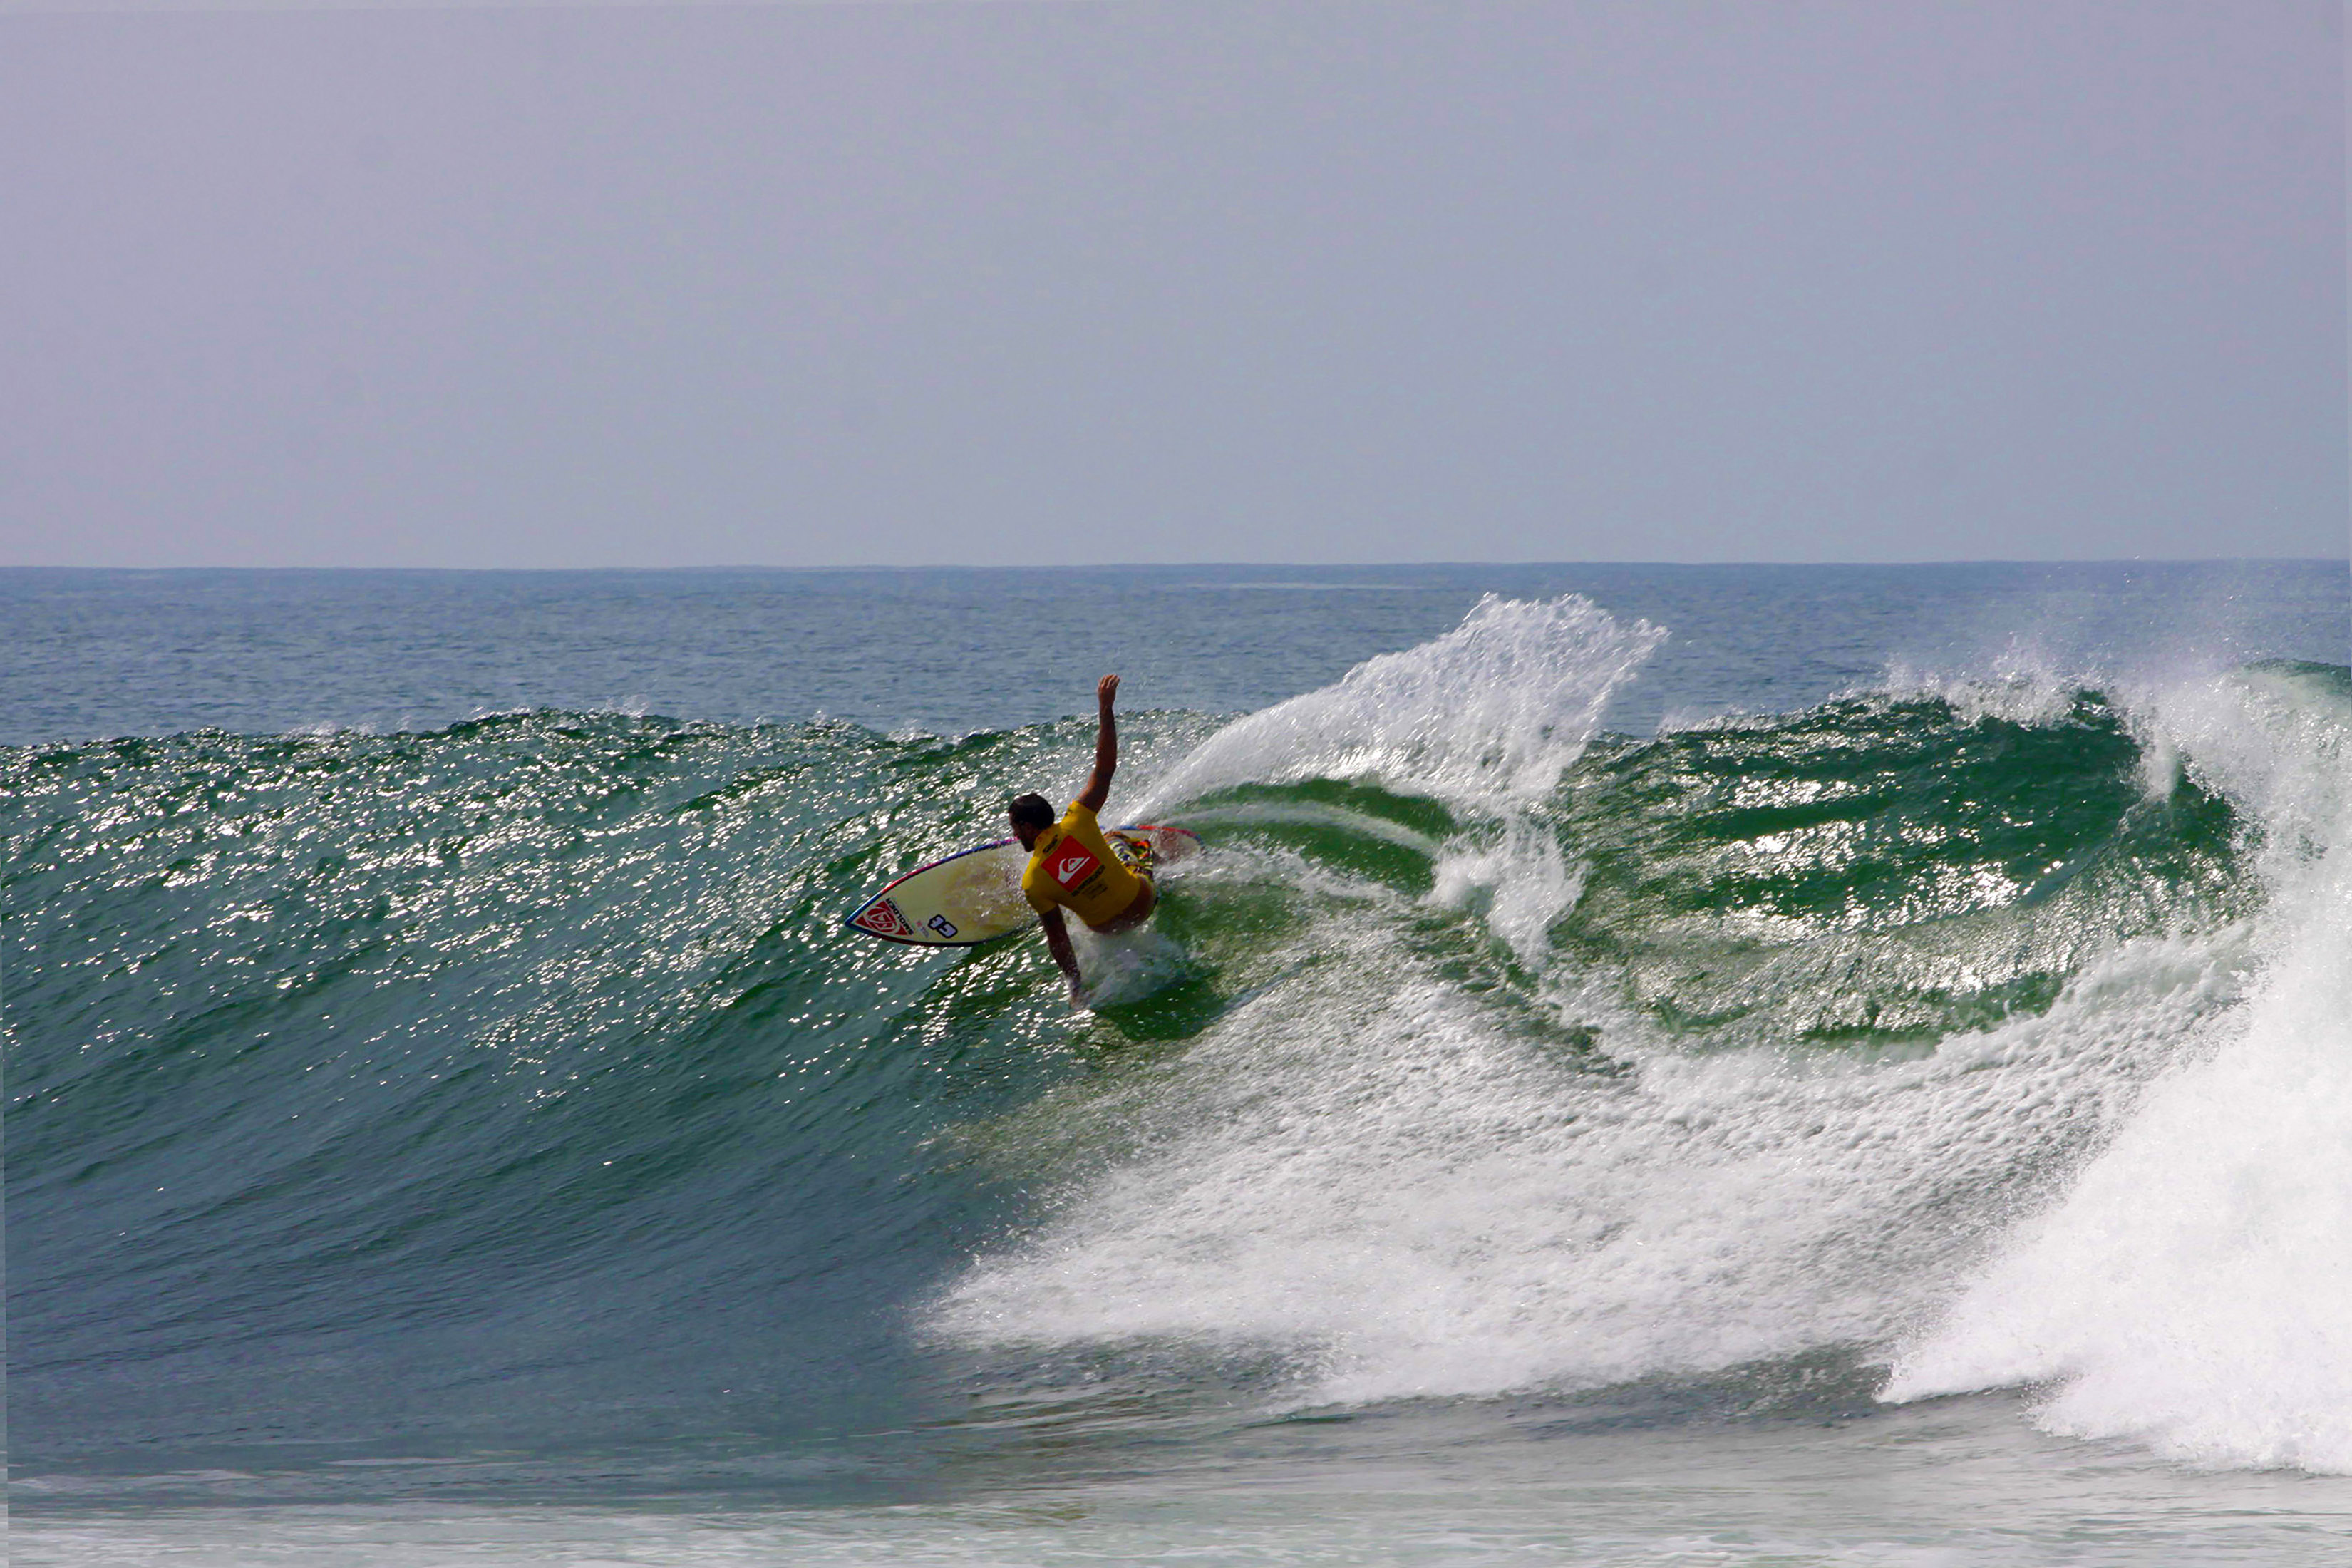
1072	869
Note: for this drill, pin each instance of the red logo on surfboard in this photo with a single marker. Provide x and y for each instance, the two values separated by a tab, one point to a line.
883	918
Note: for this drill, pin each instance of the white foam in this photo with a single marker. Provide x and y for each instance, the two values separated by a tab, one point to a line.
2191	1290
1423	1204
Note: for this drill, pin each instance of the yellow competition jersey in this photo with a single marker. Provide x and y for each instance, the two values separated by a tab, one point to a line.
1071	865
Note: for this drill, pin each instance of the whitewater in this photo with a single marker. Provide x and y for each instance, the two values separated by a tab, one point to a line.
1439	1206
1626	1081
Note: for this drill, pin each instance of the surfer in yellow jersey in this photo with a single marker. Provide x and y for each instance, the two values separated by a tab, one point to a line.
1071	865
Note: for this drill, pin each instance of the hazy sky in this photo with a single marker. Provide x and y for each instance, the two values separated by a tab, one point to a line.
1547	280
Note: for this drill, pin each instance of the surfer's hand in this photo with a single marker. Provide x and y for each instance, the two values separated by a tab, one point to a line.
1106	692
1078	998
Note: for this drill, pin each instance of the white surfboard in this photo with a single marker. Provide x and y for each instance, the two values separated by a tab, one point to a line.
975	894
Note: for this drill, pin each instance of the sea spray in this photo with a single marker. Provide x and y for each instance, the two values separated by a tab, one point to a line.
1125	967
1519	880
1487	716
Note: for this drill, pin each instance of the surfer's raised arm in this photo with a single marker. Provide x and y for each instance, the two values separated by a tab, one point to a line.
1072	865
1097	788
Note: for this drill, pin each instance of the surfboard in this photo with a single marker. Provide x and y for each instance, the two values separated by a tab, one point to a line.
975	894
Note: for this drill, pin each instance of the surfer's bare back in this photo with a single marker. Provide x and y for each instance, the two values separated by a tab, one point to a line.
1070	865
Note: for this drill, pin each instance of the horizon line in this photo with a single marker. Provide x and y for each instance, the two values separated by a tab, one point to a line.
1066	566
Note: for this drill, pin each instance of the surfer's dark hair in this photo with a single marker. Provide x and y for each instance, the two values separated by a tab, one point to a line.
1030	811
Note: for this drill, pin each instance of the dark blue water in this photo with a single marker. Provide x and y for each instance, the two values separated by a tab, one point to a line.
121	653
1603	1040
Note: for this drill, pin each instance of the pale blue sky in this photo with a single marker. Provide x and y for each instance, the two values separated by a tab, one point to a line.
1144	282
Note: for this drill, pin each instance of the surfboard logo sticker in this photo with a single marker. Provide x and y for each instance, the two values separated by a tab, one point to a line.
941	924
1070	869
883	918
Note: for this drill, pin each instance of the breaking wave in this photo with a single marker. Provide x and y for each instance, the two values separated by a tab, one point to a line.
1959	1033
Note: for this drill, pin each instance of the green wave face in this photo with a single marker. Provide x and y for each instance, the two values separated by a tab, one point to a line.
1874	874
540	1025
1882	872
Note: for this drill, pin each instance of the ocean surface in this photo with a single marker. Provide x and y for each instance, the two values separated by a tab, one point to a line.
1655	1065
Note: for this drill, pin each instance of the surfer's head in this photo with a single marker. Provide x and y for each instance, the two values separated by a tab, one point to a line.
1031	816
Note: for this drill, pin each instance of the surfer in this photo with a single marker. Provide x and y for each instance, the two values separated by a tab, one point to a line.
1070	863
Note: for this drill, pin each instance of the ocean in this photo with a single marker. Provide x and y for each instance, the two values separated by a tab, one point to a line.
1653	1064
